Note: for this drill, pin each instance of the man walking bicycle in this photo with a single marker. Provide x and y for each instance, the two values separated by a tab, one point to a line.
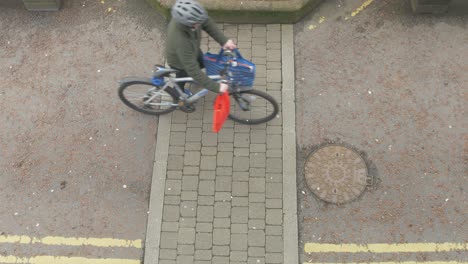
183	42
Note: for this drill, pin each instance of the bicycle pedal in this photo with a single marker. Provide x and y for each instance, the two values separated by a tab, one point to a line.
188	108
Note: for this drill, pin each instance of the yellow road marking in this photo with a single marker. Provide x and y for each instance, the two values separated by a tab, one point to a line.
404	262
384	248
357	11
362	7
72	241
64	260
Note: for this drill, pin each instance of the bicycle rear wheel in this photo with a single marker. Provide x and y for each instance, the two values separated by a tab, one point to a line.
146	98
252	107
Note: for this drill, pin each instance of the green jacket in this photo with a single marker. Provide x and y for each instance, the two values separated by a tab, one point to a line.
183	49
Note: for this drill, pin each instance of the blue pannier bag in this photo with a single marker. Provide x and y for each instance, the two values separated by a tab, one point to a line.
243	72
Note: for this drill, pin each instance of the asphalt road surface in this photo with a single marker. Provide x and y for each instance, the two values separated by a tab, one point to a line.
76	163
392	85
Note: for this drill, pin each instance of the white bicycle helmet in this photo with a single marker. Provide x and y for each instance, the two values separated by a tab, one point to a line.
189	12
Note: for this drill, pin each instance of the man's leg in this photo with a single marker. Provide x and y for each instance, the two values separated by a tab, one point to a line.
183	73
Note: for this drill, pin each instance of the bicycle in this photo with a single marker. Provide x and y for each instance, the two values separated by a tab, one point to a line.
161	94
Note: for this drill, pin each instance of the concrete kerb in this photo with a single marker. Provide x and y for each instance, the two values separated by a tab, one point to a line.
158	183
290	233
249	16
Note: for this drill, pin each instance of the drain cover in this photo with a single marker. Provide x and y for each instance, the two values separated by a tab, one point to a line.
336	174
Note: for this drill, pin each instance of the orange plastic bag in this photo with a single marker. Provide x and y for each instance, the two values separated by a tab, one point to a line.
221	111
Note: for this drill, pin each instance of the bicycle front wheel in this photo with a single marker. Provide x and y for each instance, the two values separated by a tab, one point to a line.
146	98
252	107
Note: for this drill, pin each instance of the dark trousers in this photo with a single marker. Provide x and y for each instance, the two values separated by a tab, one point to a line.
182	73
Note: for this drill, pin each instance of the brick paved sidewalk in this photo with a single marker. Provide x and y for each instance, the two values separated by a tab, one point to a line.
223	193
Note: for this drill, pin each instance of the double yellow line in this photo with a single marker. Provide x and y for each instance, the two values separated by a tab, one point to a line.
353	14
389	248
362	7
72	241
68	241
384	248
399	262
63	260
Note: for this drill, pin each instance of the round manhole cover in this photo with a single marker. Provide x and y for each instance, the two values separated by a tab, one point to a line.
336	174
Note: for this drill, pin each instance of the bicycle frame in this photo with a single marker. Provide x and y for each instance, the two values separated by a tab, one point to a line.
187	79
173	82
164	84
169	81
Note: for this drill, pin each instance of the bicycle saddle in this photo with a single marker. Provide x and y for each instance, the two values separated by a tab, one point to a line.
161	71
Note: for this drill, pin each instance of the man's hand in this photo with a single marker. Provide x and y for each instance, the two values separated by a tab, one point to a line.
223	87
230	45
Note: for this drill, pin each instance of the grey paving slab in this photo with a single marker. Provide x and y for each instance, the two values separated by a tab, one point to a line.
190	170
257	211
274	244
225	158
205	200
257	197
204	241
256	238
222	209
203	255
257	172
240	201
186	236
204	227
221	236
241	163
256	252
221	250
206	187
274	258
186	250
238	256
172	200
205	214
188	209
170	226
274	230
256	185
189	196
227	147
224	195
168	240
184	259
222	222
176	175
240	215
208	163
240	188
187	222
171	213
224	171
165	261
241	152
175	162
168	254
190	183
257	224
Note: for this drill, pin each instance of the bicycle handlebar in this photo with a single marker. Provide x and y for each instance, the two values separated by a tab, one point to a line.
230	62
